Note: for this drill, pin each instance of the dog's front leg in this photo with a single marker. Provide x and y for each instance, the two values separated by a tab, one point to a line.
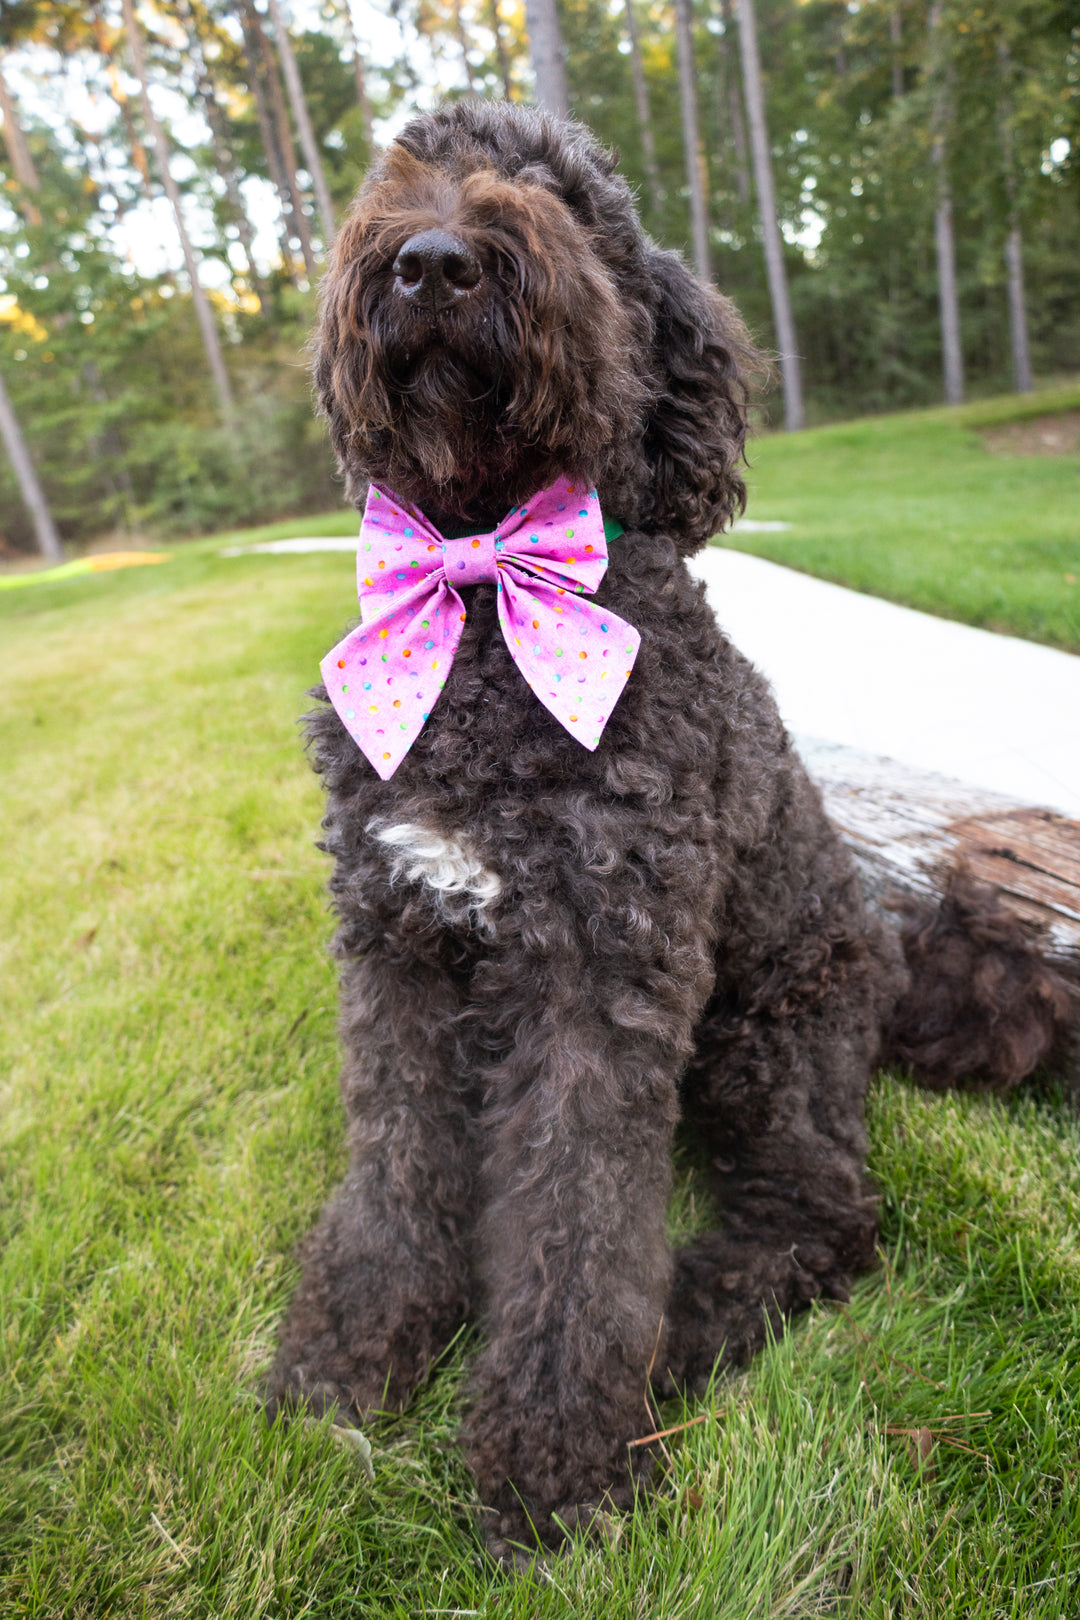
576	1270
385	1279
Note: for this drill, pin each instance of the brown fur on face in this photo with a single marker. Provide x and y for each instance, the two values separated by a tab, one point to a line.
584	350
528	378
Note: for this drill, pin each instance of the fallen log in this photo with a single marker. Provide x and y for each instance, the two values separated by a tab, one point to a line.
909	829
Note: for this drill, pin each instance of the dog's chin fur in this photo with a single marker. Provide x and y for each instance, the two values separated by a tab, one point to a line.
549	952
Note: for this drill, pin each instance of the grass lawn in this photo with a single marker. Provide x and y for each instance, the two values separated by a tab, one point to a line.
916	508
169	1126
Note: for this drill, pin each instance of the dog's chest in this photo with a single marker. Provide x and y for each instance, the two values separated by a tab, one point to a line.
445	866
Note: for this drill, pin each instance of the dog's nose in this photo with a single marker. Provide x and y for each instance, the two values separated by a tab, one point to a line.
435	268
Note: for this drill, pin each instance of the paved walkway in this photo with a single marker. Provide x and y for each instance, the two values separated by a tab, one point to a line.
989	710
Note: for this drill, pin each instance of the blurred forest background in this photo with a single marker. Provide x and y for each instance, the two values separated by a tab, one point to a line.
890	189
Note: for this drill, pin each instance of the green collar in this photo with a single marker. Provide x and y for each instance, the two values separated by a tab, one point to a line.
612	529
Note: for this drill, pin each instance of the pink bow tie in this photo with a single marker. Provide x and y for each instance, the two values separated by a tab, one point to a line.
385	677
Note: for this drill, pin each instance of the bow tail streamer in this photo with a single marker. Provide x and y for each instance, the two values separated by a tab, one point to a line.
576	655
384	678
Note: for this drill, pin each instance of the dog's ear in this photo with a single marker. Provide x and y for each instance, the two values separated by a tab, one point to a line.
695	432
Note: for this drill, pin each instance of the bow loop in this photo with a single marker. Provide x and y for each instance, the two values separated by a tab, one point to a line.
544	559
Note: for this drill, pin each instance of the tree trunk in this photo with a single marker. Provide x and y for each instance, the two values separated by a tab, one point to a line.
696	176
644	113
47	538
1014	243
21	161
548	56
116	90
360	75
944	243
731	97
268	138
203	312
896	41
308	143
501	54
224	158
790	369
261	57
463	42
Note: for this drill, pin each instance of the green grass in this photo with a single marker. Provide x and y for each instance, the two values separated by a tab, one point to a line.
915	508
169	1126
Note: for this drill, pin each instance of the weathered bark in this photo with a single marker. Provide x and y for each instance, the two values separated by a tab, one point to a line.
944	242
47	538
502	55
1014	242
277	137
360	75
730	99
696	176
21	162
548	56
790	370
203	312
308	144
910	829
644	112
224	158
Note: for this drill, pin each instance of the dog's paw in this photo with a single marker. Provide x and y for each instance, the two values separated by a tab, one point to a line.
298	1392
522	1542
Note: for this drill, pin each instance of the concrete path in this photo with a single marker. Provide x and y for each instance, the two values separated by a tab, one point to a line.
985	709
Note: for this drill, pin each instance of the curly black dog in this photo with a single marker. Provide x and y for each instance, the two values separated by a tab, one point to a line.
549	954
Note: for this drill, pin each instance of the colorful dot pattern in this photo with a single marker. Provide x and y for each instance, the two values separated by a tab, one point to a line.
544	559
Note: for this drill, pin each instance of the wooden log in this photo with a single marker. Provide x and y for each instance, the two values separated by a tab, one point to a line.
908	829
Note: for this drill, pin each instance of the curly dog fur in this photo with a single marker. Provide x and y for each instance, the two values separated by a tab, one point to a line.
548	955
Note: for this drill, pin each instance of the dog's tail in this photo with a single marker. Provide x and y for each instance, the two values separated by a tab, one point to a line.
984	1007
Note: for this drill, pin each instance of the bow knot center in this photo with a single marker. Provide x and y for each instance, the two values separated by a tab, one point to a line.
472	561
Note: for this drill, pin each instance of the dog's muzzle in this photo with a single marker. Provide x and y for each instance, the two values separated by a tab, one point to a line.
435	270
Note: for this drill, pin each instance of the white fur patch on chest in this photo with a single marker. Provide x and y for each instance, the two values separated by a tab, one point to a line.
449	866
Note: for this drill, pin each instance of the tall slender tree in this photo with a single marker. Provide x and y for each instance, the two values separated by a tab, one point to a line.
223	155
952	359
502	55
363	99
308	144
644	111
696	176
29	184
730	100
463	44
274	124
790	369
19	152
106	44
1014	241
203	313
45	529
548	56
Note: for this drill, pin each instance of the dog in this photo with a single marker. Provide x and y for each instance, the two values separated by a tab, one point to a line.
554	946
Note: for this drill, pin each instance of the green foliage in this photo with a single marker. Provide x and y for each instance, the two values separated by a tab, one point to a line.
122	420
170	1126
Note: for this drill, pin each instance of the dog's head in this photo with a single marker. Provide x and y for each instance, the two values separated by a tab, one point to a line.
493	316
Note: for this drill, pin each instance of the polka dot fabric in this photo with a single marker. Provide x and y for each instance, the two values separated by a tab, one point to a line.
544	559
